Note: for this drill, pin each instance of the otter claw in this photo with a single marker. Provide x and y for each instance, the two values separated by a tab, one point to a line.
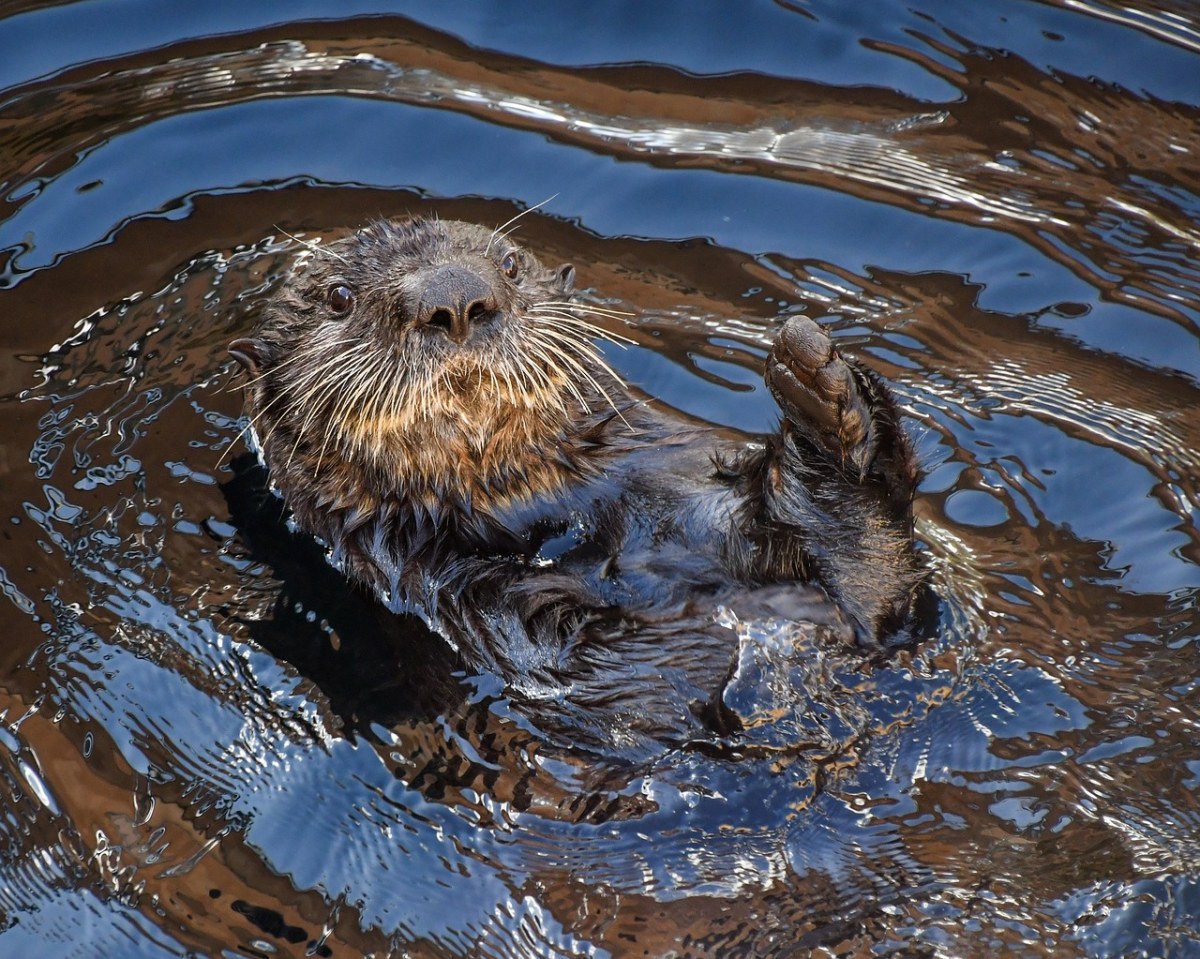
819	393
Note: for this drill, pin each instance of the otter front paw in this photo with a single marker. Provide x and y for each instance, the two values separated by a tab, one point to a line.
821	395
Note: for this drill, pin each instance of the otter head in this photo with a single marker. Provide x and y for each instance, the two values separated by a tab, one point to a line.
424	359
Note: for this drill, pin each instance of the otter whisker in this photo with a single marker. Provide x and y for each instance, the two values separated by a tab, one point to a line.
590	329
582	336
312	246
573	387
582	352
353	393
301	383
391	400
541	352
532	381
545	382
295	357
506	380
514	377
500	229
365	393
523	370
563	319
315	394
315	404
314	376
368	421
580	316
564	332
567	312
581	344
588	308
574	363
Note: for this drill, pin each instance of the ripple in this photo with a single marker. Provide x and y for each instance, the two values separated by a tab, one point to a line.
210	746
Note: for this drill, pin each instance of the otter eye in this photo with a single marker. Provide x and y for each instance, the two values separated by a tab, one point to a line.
341	298
511	265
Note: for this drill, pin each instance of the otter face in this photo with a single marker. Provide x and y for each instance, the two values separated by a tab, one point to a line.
422	350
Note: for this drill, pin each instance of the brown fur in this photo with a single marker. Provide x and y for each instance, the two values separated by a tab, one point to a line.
432	407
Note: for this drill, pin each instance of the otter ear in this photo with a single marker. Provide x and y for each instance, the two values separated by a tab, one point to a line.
564	278
251	353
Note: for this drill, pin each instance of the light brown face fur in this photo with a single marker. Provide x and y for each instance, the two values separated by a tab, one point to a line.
425	359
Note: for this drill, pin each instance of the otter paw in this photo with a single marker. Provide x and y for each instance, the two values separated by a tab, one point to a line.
819	393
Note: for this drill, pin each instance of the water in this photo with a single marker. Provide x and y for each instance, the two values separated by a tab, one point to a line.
210	747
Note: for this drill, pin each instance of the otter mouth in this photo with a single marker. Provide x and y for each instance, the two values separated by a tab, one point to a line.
452	344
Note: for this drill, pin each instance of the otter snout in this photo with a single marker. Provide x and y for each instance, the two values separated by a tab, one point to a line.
450	297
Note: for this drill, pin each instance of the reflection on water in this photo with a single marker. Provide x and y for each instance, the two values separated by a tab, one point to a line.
211	746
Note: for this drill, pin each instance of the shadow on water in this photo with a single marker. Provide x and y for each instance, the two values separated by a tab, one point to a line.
213	746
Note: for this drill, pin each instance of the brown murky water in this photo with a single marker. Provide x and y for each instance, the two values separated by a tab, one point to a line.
210	747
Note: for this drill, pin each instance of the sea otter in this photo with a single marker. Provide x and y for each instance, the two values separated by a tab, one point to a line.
431	405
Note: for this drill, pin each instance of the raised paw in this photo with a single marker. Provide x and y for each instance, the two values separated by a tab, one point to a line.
821	395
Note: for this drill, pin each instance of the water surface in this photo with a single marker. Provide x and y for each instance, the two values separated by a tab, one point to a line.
210	747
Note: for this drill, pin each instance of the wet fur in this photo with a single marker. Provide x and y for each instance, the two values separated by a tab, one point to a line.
495	478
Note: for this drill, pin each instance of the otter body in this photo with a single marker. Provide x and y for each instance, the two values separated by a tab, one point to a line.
431	405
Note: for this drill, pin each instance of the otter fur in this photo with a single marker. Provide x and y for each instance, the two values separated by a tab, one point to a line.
431	405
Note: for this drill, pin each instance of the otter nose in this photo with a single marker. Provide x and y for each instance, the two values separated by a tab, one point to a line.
452	297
